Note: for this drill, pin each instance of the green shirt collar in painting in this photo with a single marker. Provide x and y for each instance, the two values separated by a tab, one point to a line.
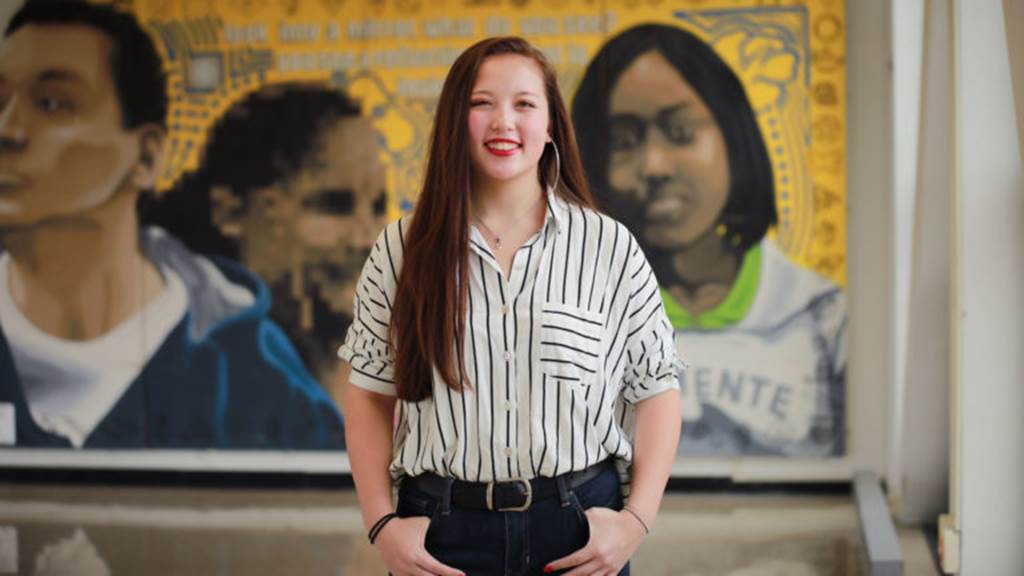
735	306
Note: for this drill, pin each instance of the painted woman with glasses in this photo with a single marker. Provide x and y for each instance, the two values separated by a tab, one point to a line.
521	335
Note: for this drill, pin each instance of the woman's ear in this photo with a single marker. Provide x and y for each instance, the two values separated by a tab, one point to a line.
151	156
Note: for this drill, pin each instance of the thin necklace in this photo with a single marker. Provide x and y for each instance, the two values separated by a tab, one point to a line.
515	222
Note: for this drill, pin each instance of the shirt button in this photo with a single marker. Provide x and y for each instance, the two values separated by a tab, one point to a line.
508	405
509	451
508	356
504	309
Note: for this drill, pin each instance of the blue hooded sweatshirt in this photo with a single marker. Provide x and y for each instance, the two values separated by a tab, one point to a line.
225	377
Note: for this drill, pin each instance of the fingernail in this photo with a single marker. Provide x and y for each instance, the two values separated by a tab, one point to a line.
548	570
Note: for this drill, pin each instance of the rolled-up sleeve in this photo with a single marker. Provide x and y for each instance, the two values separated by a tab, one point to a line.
652	361
367	346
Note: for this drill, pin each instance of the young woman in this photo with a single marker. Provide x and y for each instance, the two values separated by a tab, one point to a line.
522	334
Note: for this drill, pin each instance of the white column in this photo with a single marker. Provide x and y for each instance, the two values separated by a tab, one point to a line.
921	445
1013	17
908	23
988	327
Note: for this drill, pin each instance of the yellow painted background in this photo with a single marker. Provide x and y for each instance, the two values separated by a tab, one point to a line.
392	56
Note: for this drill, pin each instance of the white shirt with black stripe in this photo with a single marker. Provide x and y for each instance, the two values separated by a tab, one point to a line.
557	355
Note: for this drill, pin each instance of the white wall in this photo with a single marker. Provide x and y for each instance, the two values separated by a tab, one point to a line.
870	239
989	275
907	59
1013	16
919	463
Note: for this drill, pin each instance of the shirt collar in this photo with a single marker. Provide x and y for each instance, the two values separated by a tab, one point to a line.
555	216
732	310
557	211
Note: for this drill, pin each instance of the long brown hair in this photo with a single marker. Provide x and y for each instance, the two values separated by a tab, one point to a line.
428	318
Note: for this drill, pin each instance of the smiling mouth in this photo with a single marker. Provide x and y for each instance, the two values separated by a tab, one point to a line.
667	209
502	147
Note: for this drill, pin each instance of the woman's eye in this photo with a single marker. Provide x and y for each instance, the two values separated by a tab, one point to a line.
475	103
679	133
51	104
626	132
527	104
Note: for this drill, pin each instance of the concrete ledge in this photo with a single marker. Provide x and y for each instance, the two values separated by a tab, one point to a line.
881	545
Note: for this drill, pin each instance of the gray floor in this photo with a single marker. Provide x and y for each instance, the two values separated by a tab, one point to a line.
93	531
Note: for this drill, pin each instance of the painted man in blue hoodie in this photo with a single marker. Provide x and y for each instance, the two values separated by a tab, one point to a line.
114	335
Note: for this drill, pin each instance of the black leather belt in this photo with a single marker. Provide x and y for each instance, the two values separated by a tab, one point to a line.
507	496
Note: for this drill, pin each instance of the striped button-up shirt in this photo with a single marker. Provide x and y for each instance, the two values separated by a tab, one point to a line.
557	354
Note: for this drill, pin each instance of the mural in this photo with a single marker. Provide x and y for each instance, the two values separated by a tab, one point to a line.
672	148
188	191
115	334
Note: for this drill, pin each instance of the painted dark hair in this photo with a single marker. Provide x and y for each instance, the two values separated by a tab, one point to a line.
270	135
264	138
135	65
750	209
428	318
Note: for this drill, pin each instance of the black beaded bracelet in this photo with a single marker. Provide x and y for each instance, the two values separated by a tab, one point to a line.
380	524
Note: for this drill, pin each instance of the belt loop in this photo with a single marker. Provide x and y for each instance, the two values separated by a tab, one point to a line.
446	497
563	489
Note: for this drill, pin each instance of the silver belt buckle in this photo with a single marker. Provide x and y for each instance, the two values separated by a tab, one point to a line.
523	508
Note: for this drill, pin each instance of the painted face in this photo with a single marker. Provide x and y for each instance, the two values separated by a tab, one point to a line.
321	223
668	157
508	120
63	150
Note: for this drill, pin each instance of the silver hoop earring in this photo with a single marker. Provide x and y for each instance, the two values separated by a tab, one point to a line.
558	165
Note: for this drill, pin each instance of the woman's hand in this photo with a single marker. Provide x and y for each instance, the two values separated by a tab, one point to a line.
614	536
401	544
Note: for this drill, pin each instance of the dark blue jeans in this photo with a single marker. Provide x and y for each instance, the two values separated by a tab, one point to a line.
484	543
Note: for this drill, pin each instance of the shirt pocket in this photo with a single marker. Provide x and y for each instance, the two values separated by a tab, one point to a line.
570	345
